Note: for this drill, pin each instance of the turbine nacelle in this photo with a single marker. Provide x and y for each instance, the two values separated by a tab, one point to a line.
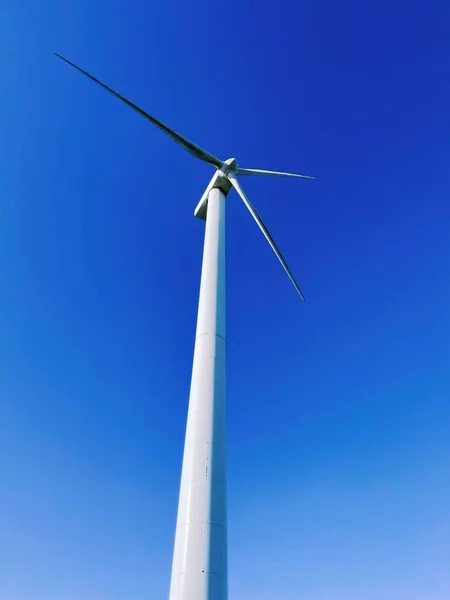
221	181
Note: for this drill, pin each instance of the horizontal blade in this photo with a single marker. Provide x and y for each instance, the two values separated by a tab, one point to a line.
278	173
265	231
180	139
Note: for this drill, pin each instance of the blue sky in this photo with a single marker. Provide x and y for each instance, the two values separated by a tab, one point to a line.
339	453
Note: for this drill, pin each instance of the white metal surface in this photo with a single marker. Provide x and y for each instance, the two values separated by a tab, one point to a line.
219	180
200	563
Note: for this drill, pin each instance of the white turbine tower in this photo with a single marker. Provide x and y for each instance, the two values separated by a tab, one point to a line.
200	564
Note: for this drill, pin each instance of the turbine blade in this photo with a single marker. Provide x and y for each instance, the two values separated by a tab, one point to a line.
278	173
191	147
265	231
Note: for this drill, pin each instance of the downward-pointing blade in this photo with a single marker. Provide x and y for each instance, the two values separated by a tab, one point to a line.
278	173
265	231
191	147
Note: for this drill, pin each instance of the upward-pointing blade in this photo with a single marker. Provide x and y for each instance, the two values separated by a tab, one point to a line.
265	231
264	172
192	148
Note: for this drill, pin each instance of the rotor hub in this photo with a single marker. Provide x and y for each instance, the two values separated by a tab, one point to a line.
229	166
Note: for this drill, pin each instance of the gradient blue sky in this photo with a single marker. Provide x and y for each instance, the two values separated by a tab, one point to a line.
339	419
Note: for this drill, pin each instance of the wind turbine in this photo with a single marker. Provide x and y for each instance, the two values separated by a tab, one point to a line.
200	559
